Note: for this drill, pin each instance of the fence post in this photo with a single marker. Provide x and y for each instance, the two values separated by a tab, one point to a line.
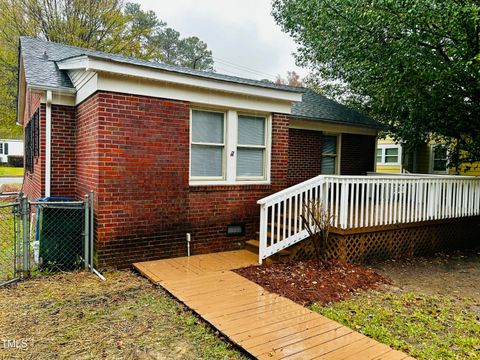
86	238
92	230
26	236
19	243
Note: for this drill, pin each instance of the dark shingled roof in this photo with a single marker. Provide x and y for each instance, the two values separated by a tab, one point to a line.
40	57
316	106
40	68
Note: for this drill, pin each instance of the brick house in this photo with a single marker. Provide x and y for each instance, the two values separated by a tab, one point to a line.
170	151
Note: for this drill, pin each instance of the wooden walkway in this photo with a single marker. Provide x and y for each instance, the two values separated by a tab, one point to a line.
266	325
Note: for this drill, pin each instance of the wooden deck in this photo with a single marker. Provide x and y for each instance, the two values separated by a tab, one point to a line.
266	325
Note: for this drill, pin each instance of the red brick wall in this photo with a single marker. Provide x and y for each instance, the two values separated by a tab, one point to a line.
34	181
63	150
63	174
357	154
133	152
86	147
212	208
144	204
304	155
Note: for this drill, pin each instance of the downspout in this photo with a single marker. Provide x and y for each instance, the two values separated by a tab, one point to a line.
48	143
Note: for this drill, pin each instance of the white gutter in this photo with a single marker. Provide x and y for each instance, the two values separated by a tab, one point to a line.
48	142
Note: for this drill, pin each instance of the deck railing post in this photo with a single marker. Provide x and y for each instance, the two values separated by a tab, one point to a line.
263	232
344	193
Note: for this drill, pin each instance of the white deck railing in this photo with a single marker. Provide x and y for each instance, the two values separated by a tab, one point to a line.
365	201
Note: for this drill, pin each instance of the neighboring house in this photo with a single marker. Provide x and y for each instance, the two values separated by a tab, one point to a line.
389	156
11	147
169	150
429	158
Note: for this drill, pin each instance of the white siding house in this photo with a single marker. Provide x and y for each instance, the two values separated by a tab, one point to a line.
10	147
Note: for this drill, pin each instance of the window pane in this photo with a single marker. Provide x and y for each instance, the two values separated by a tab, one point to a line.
328	165
329	145
379	152
250	162
207	161
440	152
391	151
391	159
439	165
251	130
207	127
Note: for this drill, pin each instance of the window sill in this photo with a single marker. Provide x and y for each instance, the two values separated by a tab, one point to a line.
225	183
237	186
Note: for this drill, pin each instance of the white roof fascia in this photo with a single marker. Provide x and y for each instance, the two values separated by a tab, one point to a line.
100	65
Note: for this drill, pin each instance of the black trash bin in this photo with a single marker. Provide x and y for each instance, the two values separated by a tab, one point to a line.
59	233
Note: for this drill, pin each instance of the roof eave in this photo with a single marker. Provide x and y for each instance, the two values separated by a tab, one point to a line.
332	121
93	63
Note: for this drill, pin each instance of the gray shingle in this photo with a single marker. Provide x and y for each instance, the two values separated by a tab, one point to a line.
317	107
41	70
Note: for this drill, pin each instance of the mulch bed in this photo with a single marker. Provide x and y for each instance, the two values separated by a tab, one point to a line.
308	282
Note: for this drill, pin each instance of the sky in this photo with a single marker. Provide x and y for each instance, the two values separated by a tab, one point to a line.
242	34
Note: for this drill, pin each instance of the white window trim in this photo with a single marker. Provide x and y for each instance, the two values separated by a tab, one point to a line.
384	147
253	178
209	178
432	160
230	153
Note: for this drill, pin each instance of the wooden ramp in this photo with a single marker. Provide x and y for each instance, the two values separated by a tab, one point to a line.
266	325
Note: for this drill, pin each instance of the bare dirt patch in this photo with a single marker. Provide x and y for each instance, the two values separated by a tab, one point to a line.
307	282
453	274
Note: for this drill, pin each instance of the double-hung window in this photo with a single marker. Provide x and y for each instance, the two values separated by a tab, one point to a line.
228	147
439	159
329	154
207	145
389	154
251	147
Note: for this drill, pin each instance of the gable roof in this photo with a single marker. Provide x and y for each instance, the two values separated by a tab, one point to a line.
40	60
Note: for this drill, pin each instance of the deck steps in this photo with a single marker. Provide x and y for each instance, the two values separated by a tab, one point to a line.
282	256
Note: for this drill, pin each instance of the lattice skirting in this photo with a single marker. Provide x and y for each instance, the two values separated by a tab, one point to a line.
396	242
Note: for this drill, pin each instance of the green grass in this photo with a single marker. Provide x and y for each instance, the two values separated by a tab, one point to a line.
75	315
427	327
7	254
11	171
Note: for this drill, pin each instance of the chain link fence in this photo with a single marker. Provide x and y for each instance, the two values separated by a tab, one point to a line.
44	237
9	247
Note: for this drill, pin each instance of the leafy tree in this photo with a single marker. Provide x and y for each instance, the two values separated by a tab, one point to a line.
412	64
188	52
293	79
105	25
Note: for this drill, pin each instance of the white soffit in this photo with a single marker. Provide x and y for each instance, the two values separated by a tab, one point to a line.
99	65
331	127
